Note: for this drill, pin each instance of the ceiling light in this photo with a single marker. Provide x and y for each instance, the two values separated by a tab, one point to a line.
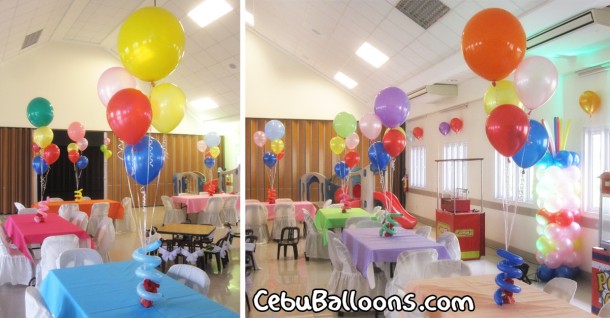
203	104
249	18
345	80
208	11
371	55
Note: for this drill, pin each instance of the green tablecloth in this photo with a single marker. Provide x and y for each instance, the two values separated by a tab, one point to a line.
334	218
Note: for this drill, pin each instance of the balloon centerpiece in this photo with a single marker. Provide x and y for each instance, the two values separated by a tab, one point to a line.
41	213
274	132
387	229
40	113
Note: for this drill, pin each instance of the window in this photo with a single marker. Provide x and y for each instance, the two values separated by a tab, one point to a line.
595	161
455	172
417	169
508	178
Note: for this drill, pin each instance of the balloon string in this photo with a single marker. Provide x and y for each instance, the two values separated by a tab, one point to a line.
121	150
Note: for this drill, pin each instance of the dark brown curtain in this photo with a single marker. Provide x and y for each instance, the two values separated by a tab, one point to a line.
15	168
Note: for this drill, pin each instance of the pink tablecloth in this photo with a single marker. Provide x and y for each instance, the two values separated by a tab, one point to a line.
298	209
23	231
196	203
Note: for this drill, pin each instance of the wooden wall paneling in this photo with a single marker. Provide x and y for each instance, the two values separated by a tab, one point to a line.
291	157
16	170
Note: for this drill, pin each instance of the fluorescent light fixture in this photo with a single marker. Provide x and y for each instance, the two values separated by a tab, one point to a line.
208	11
249	18
203	104
371	55
345	80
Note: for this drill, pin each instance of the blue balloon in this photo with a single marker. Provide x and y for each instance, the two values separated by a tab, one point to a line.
378	156
374	168
575	158
82	162
341	169
563	159
567	272
544	273
269	159
274	129
209	162
545	161
535	147
144	160
39	165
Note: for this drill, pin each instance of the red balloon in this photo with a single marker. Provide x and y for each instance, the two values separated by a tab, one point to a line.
73	156
394	142
564	217
507	128
280	155
351	159
35	148
456	124
418	132
50	154
129	115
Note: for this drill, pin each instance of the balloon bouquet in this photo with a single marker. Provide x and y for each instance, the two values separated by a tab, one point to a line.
150	46
274	131
104	149
345	126
210	142
76	132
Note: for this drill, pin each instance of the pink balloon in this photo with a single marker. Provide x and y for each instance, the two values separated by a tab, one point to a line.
259	138
76	131
572	259
106	141
370	125
535	81
113	80
83	144
553	260
352	141
201	146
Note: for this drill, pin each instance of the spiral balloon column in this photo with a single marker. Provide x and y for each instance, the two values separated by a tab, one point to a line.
271	196
147	289
78	195
41	214
504	294
212	188
387	229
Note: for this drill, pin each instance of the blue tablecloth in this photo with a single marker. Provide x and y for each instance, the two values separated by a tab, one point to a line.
109	290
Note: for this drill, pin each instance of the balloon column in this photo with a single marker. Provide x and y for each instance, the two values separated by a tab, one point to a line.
274	132
345	126
40	114
210	142
76	132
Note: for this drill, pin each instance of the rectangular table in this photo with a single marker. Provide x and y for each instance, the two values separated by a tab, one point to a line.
196	203
109	290
366	247
298	209
23	230
333	218
114	212
530	302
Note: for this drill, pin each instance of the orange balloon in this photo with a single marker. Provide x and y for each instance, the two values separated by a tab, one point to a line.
493	43
589	102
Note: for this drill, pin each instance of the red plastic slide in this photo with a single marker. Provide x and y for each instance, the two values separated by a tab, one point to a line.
407	220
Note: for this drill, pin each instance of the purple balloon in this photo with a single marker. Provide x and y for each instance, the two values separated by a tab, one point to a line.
444	128
392	106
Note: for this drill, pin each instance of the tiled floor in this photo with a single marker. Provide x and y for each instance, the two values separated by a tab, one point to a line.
224	287
299	277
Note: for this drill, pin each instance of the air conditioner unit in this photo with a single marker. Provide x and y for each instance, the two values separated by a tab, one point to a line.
442	90
598	16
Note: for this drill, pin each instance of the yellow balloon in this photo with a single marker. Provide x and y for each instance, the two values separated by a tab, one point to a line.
277	146
503	93
337	145
214	151
168	103
72	147
108	154
43	137
151	43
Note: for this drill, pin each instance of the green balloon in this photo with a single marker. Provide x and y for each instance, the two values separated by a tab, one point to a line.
344	124
103	148
40	112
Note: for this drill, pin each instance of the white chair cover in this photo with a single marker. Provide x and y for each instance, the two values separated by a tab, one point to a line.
99	211
367	223
191	276
314	245
423	231
173	215
15	268
562	288
229	210
127	223
355	219
80	219
85	199
50	250
252	201
350	278
327	203
284	217
55	199
446	268
79	257
27	211
35	307
335	205
104	238
256	220
19	206
332	251
451	243
283	200
66	210
211	214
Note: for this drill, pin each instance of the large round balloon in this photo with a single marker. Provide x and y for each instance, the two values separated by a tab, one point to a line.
507	127
50	154
43	136
151	43
392	106
493	43
40	112
274	129
394	142
212	139
535	81
113	80
344	124
168	104
129	115
535	147
143	162
504	92
269	158
378	156
370	125
76	131
39	165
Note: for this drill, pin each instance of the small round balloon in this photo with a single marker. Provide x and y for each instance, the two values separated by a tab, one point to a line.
43	136
73	156
214	151
76	131
341	169
344	124
39	165
274	129
40	112
337	145
259	138
418	133
456	124
277	146
589	102
209	162
50	154
392	106
444	128
201	146
352	141
82	162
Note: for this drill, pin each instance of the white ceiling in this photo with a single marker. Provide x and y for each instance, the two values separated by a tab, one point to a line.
325	35
210	67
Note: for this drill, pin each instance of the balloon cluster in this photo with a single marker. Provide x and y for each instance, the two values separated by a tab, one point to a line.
274	132
104	148
76	132
345	126
387	229
505	279
41	213
210	143
455	124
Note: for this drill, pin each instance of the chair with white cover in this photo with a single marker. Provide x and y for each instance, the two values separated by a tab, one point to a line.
79	257
423	231
104	238
15	268
332	251
283	200
256	220
85	199
327	203
55	199
335	206
349	223
211	213
252	201
35	306
19	206
173	215
314	244
604	311
28	211
66	210
99	212
230	211
451	243
562	288
50	250
284	217
191	276
127	223
446	268
367	224
80	219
